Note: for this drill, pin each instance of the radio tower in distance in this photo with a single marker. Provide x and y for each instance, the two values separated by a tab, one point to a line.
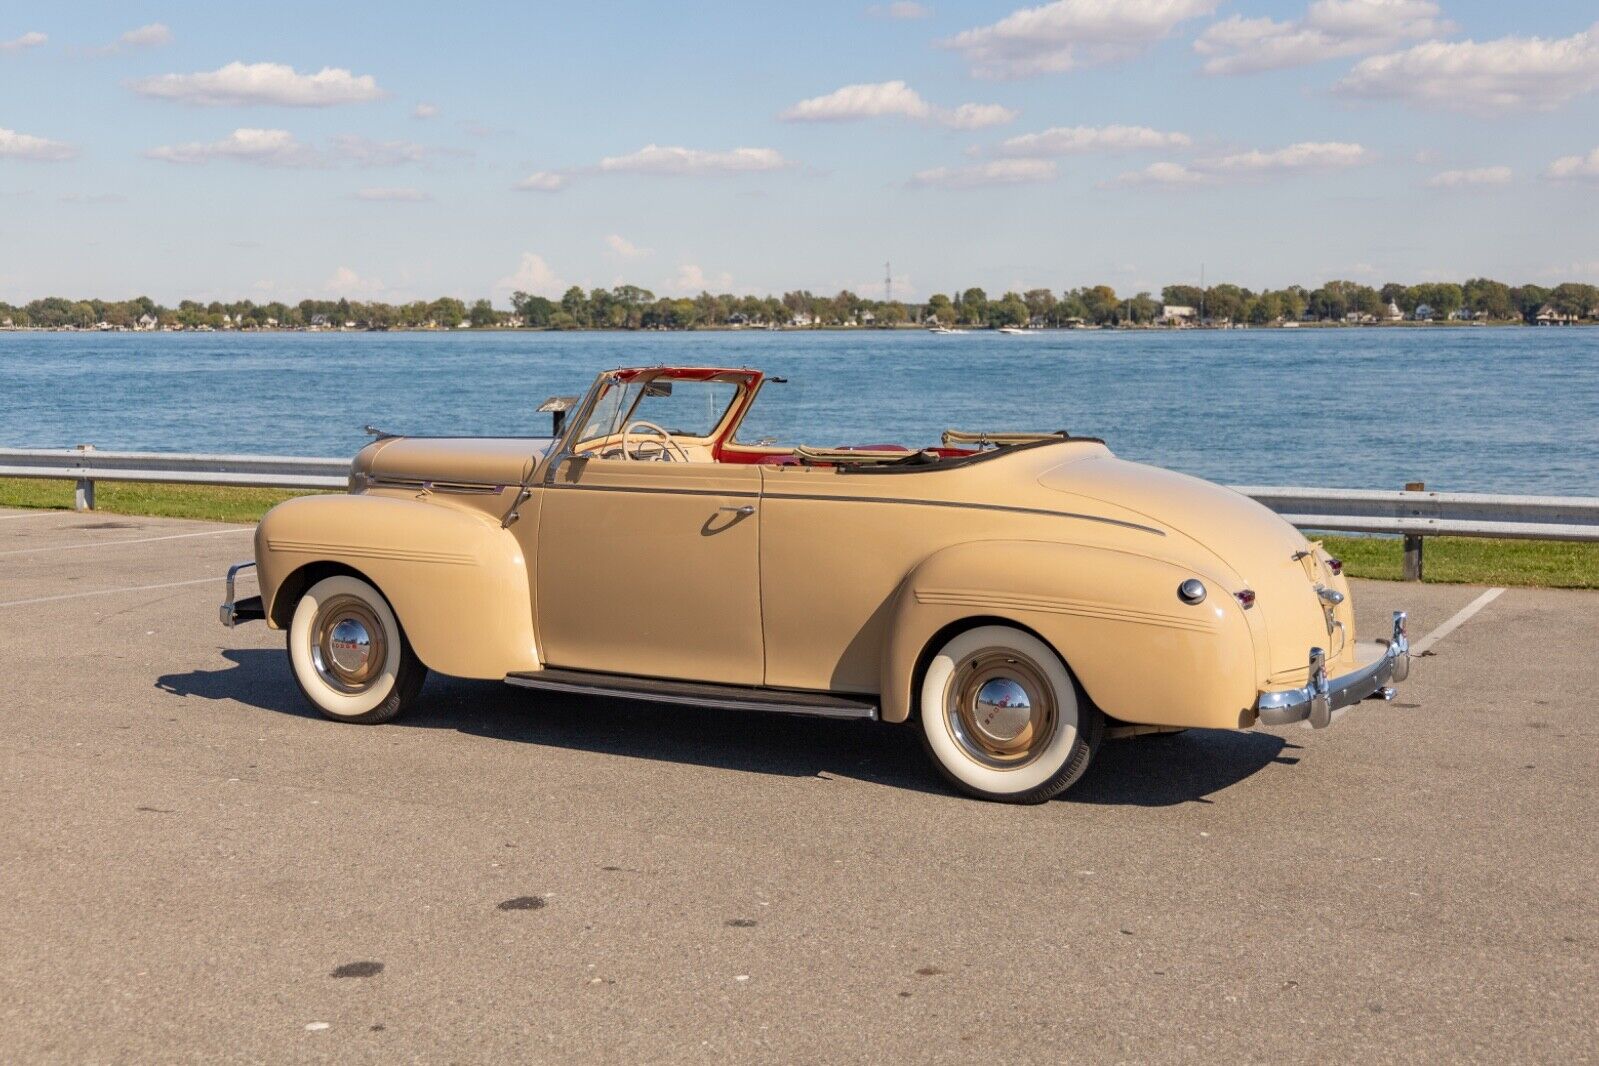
888	283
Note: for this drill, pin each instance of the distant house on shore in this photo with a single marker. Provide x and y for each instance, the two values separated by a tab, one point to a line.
1422	313
1177	315
803	318
1393	314
145	323
1549	315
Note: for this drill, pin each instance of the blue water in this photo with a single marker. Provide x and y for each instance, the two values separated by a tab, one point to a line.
1489	410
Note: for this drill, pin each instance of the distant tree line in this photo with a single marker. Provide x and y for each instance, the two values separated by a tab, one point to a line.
632	307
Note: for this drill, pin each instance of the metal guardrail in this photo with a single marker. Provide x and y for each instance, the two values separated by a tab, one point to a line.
1423	513
86	465
1415	513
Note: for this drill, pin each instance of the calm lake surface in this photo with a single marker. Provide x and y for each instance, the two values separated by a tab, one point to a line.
1487	410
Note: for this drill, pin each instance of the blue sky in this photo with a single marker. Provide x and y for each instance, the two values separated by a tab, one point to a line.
400	150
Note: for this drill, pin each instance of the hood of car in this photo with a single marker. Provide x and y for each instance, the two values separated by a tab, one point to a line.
461	460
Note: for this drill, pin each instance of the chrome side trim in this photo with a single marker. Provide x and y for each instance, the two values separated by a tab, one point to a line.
828	498
458	487
365	551
723	697
1321	698
738	494
1040	511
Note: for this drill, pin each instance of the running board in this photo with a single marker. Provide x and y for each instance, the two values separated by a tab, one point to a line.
729	697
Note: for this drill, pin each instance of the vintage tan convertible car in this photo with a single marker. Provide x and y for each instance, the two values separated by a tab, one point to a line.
1015	595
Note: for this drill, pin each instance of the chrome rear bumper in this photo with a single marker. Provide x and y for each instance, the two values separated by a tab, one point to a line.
234	610
1322	697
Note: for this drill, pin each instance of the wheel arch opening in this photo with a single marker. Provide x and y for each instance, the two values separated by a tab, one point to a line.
291	588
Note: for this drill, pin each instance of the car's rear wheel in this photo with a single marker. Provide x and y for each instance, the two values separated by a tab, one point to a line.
1002	718
350	656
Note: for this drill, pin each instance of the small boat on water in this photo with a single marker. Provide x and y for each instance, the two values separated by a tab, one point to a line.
945	331
1014	331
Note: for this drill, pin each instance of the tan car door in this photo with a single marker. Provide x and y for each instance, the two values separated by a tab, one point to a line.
651	569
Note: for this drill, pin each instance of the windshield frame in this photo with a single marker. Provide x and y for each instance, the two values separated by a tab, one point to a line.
573	443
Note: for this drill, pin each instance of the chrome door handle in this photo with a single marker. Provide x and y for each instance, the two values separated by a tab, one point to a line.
747	509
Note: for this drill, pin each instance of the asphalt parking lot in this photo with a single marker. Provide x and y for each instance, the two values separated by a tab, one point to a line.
194	867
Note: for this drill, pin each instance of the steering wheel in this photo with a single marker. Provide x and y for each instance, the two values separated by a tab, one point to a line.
666	443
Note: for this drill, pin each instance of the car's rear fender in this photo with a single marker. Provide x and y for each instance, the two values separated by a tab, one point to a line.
1139	652
457	581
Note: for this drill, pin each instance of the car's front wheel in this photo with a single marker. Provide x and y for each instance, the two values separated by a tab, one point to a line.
350	657
1003	719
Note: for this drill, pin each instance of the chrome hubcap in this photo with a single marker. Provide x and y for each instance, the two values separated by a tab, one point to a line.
1000	709
348	645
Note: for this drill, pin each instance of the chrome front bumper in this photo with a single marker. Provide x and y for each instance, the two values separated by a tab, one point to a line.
1319	701
235	610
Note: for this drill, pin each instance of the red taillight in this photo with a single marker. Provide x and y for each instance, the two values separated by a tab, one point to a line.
1335	565
1246	597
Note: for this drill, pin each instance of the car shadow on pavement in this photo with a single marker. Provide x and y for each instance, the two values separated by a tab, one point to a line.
1151	771
1165	769
258	677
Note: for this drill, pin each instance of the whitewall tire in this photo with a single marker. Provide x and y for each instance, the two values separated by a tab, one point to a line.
1003	719
349	654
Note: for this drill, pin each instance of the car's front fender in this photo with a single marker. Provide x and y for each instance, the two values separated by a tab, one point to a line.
1139	652
457	581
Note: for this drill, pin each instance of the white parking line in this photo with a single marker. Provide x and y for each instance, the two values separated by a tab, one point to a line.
1460	617
36	514
110	592
114	543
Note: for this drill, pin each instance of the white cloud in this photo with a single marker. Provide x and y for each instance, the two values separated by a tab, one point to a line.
853	102
152	36
624	247
994	172
901	9
1329	28
893	99
23	43
1476	177
1070	33
392	194
1305	157
347	283
279	148
267	148
425	110
532	275
365	152
1071	140
658	159
976	116
1505	74
1165	173
542	181
1575	166
276	84
14	145
691	280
